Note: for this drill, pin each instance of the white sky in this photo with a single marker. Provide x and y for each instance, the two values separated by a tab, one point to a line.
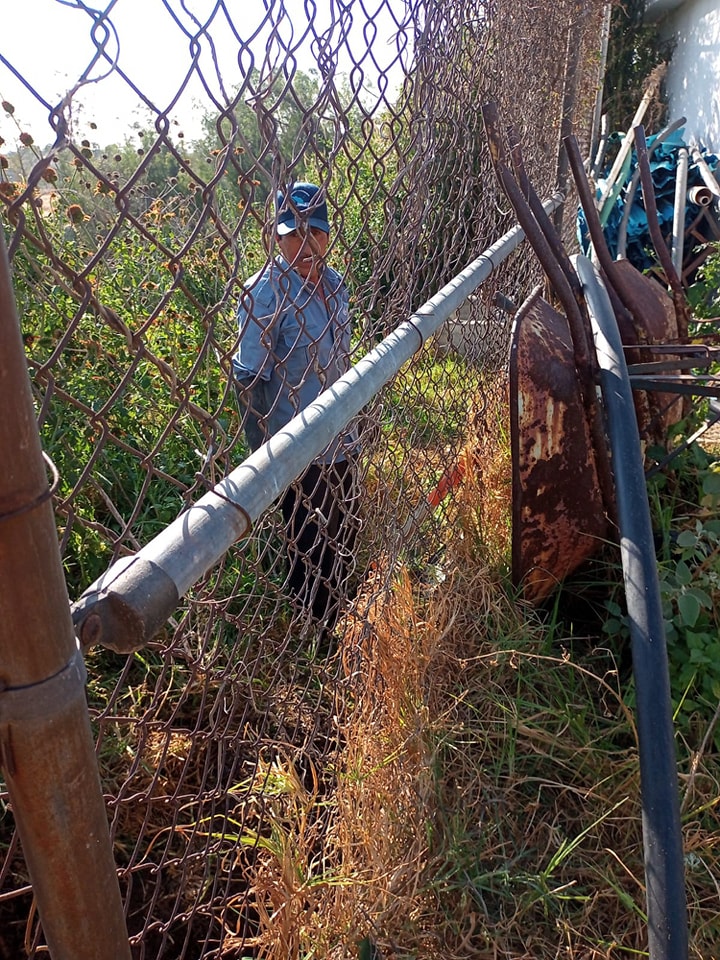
49	43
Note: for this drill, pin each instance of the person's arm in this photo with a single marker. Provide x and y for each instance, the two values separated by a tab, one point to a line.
254	362
258	331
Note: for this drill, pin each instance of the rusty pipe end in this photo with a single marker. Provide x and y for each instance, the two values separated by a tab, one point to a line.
123	612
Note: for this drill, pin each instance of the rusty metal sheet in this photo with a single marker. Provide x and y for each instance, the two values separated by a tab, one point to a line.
558	515
654	323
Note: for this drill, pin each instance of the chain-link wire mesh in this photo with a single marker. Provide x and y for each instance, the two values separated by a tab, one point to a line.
221	745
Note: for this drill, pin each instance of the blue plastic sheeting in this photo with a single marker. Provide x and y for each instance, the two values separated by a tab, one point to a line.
663	166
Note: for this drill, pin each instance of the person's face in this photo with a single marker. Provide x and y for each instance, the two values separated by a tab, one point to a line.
305	249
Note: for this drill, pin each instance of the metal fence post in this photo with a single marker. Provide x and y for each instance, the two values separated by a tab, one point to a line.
46	747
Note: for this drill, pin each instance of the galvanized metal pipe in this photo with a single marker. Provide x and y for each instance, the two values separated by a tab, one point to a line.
705	171
47	751
662	836
125	607
700	196
681	198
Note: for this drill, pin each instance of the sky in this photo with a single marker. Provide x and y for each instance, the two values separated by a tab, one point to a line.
49	43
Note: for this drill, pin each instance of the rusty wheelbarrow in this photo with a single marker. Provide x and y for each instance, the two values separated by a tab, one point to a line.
563	495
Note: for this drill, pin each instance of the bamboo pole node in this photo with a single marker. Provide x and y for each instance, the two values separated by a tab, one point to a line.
16	705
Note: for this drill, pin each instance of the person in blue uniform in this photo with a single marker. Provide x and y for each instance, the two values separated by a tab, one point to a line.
294	342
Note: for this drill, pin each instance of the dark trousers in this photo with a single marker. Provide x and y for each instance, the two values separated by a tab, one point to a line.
320	511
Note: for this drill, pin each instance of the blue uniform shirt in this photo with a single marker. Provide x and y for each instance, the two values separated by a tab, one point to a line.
294	342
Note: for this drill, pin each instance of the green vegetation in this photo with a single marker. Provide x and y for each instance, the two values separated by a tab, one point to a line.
126	279
129	375
685	505
704	293
685	500
635	51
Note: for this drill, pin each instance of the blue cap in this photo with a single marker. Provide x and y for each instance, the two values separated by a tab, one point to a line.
305	200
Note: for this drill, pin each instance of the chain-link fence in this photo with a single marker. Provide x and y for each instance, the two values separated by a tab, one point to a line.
222	745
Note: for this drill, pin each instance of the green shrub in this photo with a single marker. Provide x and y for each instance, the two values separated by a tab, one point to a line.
704	294
685	508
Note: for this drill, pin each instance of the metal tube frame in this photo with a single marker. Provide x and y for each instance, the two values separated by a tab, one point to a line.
662	834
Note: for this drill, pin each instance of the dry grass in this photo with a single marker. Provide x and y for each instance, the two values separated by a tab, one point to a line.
473	807
488	787
489	803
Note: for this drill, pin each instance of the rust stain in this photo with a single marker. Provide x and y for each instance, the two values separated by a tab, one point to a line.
558	515
655	322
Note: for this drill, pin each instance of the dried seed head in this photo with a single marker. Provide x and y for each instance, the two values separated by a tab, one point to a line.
75	213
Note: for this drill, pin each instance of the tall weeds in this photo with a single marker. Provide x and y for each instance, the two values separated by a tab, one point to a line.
488	794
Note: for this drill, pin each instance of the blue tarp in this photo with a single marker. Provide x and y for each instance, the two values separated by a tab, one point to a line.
663	166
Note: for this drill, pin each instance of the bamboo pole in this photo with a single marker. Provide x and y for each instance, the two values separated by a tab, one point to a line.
46	746
619	170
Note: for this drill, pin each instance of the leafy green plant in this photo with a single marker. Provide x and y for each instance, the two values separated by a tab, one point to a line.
704	293
690	587
685	507
635	49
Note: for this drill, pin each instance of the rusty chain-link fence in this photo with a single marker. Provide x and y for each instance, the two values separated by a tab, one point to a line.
222	744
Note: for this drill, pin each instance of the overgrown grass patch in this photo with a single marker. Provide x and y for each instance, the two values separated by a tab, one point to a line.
488	799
